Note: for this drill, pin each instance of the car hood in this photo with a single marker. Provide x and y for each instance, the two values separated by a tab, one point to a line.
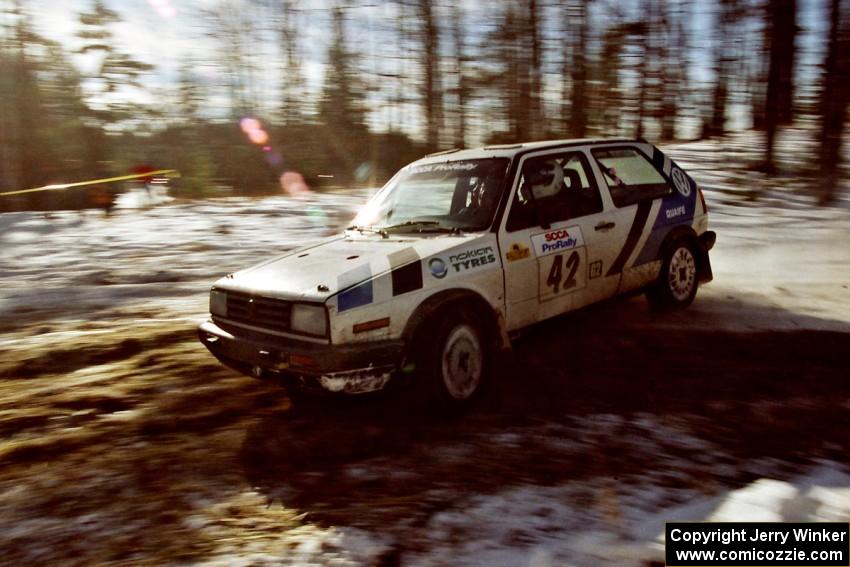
316	272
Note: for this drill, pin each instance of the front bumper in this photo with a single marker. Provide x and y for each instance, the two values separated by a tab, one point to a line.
352	369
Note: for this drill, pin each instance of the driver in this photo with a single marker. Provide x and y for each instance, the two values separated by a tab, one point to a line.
544	178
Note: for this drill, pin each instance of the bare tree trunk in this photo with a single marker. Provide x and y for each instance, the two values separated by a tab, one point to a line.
782	27
643	72
432	86
566	69
520	45
722	69
406	37
578	102
834	99
292	84
671	71
759	69
460	73
535	114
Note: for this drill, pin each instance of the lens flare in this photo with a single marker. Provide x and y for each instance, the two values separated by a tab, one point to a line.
258	137
249	125
253	128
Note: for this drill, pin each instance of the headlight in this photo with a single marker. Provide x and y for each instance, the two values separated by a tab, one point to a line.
309	319
218	303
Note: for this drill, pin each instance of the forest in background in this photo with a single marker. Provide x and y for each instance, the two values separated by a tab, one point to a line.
407	77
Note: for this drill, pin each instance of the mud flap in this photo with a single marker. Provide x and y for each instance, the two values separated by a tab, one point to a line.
706	243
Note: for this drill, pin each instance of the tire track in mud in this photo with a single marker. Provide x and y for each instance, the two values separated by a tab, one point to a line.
89	351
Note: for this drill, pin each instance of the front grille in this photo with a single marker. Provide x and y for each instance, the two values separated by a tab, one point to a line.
263	312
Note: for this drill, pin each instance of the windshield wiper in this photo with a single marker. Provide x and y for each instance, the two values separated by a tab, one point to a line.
372	229
429	225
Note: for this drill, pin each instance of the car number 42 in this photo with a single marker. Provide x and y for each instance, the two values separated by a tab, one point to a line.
561	273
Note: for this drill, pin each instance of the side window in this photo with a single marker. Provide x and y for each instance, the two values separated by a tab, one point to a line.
563	186
630	176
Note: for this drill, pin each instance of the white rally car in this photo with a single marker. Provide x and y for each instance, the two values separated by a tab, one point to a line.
457	251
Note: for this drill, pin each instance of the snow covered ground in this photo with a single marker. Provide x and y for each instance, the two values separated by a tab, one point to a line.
130	414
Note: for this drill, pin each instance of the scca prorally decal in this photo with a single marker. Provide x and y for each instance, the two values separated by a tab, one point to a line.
472	258
557	240
438	267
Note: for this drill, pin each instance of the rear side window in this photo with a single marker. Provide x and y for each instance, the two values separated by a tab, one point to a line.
630	176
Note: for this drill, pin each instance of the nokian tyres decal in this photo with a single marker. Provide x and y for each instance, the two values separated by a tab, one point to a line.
469	259
461	261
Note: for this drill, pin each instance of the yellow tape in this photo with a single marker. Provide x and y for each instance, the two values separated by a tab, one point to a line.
166	172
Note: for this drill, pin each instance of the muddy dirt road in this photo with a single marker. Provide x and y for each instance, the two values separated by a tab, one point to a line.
135	447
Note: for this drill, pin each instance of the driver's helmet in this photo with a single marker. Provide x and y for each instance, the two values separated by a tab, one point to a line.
547	179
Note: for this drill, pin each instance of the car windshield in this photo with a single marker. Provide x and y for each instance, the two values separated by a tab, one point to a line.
437	197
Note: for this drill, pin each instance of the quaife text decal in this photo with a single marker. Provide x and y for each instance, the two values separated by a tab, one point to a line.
676	212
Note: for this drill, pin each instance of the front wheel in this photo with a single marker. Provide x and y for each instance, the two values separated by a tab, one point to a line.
454	363
677	283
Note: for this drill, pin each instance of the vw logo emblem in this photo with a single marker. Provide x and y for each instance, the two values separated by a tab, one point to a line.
681	182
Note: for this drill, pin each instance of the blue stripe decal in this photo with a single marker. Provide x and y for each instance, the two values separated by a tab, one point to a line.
632	238
676	209
361	293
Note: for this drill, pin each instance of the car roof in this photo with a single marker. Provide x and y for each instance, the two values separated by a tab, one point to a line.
510	150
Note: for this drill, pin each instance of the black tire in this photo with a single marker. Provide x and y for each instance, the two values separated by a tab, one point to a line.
454	359
678	281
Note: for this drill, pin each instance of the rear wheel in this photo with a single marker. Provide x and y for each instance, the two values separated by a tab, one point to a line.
677	283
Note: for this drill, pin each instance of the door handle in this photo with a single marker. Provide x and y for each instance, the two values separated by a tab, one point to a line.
605	226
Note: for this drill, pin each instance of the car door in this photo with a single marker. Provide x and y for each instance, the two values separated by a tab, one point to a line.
646	206
558	248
